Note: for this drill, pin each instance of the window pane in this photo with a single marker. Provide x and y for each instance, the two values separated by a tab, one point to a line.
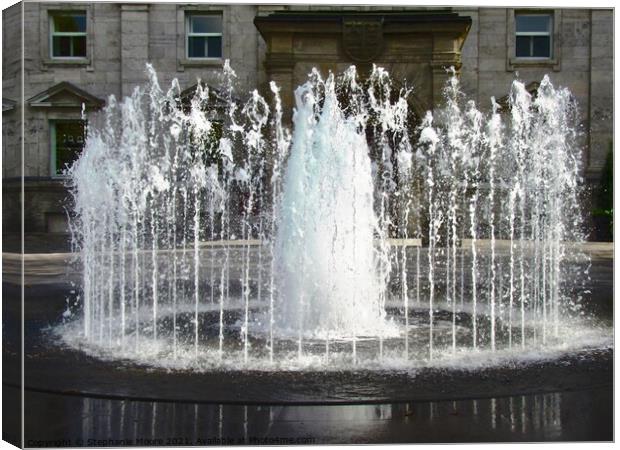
522	46
542	47
196	47
215	47
69	143
70	23
61	46
205	24
79	46
527	23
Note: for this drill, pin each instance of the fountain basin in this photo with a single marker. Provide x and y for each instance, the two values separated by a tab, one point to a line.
51	366
125	379
406	348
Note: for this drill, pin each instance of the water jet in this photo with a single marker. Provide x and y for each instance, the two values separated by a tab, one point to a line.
212	238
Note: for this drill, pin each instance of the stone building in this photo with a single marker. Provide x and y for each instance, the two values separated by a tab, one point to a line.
77	54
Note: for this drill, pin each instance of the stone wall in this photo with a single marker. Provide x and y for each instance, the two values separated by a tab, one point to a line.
123	37
11	118
11	90
583	64
600	114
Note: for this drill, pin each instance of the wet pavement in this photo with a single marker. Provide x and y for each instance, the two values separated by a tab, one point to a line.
556	412
85	421
53	368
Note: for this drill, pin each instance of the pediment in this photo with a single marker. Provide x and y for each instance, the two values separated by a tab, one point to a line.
8	104
65	95
216	97
504	102
215	105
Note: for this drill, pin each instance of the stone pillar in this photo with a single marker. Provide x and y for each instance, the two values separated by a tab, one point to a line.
601	92
418	46
279	65
134	46
446	54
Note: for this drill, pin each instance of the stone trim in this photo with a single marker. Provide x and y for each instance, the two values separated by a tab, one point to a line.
46	60
513	63
8	104
41	100
134	7
504	102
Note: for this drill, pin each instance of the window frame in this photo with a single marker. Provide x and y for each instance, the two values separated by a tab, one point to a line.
548	33
53	33
513	63
53	148
188	34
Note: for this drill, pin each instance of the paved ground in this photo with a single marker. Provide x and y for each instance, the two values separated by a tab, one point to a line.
51	264
85	421
89	420
61	243
46	366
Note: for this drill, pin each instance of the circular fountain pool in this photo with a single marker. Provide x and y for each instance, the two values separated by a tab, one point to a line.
72	367
367	244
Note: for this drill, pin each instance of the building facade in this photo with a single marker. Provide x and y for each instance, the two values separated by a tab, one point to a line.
75	55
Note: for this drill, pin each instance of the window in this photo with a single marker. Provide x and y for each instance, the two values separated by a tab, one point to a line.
533	35
68	34
204	36
67	138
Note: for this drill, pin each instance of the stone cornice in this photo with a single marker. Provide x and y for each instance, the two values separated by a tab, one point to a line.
325	23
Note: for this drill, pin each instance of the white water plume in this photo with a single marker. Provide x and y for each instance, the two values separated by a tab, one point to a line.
207	230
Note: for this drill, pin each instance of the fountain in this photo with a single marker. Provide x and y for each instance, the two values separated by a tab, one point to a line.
213	238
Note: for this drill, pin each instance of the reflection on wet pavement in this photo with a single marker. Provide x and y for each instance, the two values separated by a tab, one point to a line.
84	421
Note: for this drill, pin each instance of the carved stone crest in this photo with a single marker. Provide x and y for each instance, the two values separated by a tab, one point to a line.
362	39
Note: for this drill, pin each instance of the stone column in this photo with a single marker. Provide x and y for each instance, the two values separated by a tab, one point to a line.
601	92
279	66
297	41
134	46
446	54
